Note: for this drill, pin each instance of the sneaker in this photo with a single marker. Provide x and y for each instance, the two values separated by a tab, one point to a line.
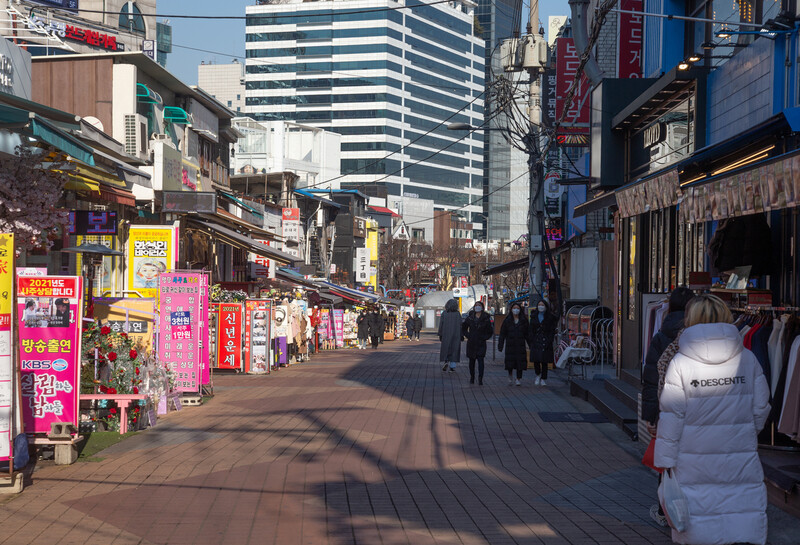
543	383
452	370
657	517
537	381
519	383
510	381
445	366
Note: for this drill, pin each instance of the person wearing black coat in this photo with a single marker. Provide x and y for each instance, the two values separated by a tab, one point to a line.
363	330
514	337
477	329
376	327
417	325
410	327
541	335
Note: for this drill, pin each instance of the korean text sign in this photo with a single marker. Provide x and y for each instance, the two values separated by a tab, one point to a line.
50	314
258	328
567	62
179	328
229	336
6	346
150	253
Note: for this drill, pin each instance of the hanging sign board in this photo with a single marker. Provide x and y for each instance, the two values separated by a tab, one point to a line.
179	327
50	315
6	346
229	336
258	324
150	253
205	330
338	327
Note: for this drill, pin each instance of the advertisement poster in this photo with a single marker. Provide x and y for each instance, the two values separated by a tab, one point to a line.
229	336
338	327
258	324
179	327
324	328
6	354
50	314
291	230
133	316
150	253
105	272
205	330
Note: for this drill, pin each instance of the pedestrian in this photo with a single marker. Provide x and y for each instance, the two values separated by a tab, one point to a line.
514	337
417	324
542	334
477	329
376	325
362	322
714	403
410	327
450	336
669	331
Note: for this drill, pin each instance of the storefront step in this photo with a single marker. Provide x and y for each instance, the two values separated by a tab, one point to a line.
624	392
595	392
632	377
782	475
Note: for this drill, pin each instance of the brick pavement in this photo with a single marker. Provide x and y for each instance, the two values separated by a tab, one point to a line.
373	447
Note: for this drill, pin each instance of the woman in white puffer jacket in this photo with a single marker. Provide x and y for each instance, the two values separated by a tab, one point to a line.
714	403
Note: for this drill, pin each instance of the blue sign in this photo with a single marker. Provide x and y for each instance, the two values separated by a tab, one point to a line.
62	4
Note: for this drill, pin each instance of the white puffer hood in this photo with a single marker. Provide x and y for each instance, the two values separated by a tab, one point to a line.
711	343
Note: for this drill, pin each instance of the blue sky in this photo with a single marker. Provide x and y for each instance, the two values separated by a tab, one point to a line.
225	39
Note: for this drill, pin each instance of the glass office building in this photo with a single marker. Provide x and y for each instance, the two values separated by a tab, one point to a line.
388	80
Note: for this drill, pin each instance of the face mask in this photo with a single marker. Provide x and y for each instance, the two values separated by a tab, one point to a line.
478	309
541	308
514	311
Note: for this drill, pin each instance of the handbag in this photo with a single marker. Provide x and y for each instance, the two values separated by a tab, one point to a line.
649	456
673	501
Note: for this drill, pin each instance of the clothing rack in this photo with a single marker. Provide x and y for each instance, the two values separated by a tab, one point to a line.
773	429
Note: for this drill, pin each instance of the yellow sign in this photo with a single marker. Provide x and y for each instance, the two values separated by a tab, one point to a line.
372	246
137	314
6	277
151	251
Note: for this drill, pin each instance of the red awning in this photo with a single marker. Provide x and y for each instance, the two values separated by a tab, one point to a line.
384	210
119	196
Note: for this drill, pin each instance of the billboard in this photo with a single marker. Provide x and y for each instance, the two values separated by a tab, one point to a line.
179	338
578	110
629	44
150	252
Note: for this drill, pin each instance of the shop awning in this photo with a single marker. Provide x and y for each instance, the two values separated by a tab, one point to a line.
76	182
350	293
117	195
506	267
317	198
292	276
243	204
50	134
598	203
241	241
223	215
384	210
331	298
11	117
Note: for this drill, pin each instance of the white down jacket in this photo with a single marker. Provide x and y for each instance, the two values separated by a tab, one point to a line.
714	403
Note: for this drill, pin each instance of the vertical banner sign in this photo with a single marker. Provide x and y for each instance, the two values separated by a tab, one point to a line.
362	265
229	336
258	325
205	330
567	62
552	193
324	327
291	229
50	315
338	324
260	266
6	354
629	44
151	252
179	327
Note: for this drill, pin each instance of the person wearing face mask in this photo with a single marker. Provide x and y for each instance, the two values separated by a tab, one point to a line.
477	329
542	334
514	337
450	336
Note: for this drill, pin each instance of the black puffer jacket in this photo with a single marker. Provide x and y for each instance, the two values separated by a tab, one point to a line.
541	337
477	331
672	325
514	338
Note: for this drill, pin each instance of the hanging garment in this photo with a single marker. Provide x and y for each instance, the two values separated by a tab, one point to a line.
743	332
794	352
760	349
775	354
790	416
747	340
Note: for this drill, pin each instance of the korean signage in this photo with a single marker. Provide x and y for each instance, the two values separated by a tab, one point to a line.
150	253
629	43
179	327
61	4
362	265
6	344
260	266
338	327
172	171
88	222
552	193
372	246
291	230
257	323
554	230
205	333
76	34
229	336
50	314
133	316
567	62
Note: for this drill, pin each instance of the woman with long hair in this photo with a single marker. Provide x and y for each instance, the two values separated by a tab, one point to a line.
514	337
714	403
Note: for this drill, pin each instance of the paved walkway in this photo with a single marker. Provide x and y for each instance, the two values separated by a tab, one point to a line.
372	447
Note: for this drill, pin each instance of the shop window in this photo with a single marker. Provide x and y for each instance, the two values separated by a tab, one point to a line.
130	18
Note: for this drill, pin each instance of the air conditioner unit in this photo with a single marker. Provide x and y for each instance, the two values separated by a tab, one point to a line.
136	143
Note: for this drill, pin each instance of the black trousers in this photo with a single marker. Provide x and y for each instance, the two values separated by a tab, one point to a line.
472	366
541	369
519	374
375	339
416	333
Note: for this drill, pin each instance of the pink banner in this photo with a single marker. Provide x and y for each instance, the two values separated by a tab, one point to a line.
338	324
49	317
179	327
205	334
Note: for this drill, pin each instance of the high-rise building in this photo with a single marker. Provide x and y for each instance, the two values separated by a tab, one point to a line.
389	78
505	207
225	82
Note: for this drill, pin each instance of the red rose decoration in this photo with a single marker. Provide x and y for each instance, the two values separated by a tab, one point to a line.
137	370
112	391
132	354
105	330
112	411
134	419
103	389
112	356
123	334
135	390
